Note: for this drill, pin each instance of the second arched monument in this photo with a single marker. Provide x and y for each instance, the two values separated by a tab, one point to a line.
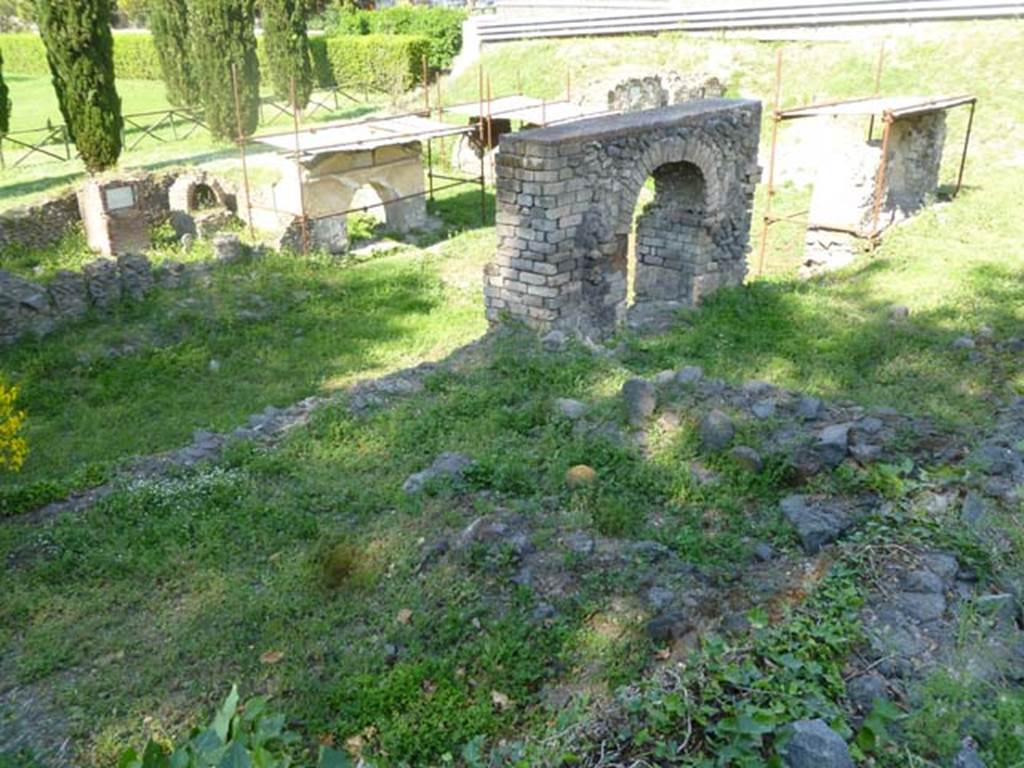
567	196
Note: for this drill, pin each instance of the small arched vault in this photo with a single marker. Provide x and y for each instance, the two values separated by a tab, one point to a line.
566	202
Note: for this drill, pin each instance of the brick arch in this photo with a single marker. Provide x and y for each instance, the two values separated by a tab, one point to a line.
673	151
566	199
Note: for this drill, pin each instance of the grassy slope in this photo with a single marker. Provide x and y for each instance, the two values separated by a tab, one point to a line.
139	608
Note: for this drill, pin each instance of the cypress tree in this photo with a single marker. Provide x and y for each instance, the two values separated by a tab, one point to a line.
287	46
80	51
223	35
168	21
5	101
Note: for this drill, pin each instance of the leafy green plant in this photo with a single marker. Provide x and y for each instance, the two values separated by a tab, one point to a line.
247	736
728	705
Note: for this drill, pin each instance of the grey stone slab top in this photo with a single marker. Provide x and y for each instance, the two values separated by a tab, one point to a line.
611	126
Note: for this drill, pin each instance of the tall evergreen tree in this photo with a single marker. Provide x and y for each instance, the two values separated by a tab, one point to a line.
168	21
80	51
287	46
5	101
224	37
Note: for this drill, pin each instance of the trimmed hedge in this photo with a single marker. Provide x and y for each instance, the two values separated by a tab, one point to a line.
386	63
24	54
322	75
442	27
135	56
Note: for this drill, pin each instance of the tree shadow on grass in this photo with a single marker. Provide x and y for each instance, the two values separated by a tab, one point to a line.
142	381
835	337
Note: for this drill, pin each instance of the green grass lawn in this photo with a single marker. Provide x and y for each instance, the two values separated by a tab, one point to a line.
322	324
35	103
133	618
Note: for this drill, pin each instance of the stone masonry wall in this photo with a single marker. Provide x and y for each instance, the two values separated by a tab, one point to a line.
45	224
842	206
566	198
28	308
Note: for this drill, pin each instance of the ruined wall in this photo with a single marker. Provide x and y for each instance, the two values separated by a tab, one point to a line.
566	199
654	89
44	224
329	183
842	210
28	308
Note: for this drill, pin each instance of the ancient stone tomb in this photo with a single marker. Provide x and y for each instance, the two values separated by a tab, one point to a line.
566	201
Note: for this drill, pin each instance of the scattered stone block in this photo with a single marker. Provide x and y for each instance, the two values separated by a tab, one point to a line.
451	466
716	431
227	248
691	374
569	408
815	525
747	458
640	398
814	745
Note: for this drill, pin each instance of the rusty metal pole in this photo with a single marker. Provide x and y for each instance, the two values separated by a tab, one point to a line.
490	119
483	147
963	155
430	170
241	150
426	86
770	190
878	84
303	224
880	179
440	118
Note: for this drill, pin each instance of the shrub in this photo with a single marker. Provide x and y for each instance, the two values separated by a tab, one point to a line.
287	50
24	54
13	448
5	100
442	26
386	63
136	57
169	21
223	39
80	51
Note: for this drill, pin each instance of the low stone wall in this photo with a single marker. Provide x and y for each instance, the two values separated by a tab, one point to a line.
46	223
28	308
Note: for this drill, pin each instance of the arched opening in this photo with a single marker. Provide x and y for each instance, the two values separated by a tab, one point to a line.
668	242
369	216
203	198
